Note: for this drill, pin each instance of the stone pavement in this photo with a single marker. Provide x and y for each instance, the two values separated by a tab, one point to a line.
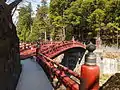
33	77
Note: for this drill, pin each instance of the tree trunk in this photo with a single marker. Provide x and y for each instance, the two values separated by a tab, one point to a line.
63	38
45	36
9	49
117	41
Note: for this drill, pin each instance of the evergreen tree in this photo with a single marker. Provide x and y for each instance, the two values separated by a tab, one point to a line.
24	23
41	26
91	18
83	19
56	14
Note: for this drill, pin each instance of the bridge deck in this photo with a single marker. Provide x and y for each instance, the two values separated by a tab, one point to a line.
33	77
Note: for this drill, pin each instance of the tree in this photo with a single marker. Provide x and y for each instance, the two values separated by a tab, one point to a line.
41	25
111	20
56	14
76	16
44	2
24	23
96	23
9	47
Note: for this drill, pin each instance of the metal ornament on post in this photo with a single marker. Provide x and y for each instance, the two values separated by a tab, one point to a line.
90	57
89	70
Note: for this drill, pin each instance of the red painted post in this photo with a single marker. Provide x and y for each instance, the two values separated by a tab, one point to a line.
90	71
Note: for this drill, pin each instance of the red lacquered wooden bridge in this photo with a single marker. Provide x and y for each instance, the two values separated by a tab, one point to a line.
41	72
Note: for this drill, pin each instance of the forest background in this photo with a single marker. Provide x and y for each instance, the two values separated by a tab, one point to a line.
85	20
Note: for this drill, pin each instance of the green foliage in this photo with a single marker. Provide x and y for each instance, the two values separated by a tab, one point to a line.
96	19
32	29
83	19
41	24
25	22
73	14
92	17
56	15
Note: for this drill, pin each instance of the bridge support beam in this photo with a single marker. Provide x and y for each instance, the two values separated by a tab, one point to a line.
90	71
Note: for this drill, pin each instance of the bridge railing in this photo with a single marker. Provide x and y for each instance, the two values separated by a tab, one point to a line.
57	47
24	47
27	51
60	75
57	71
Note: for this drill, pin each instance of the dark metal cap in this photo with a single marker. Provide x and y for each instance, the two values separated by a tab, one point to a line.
90	57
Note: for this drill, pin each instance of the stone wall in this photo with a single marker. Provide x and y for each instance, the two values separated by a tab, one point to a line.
108	65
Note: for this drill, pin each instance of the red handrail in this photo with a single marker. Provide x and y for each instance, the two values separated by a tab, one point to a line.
62	67
66	80
54	49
